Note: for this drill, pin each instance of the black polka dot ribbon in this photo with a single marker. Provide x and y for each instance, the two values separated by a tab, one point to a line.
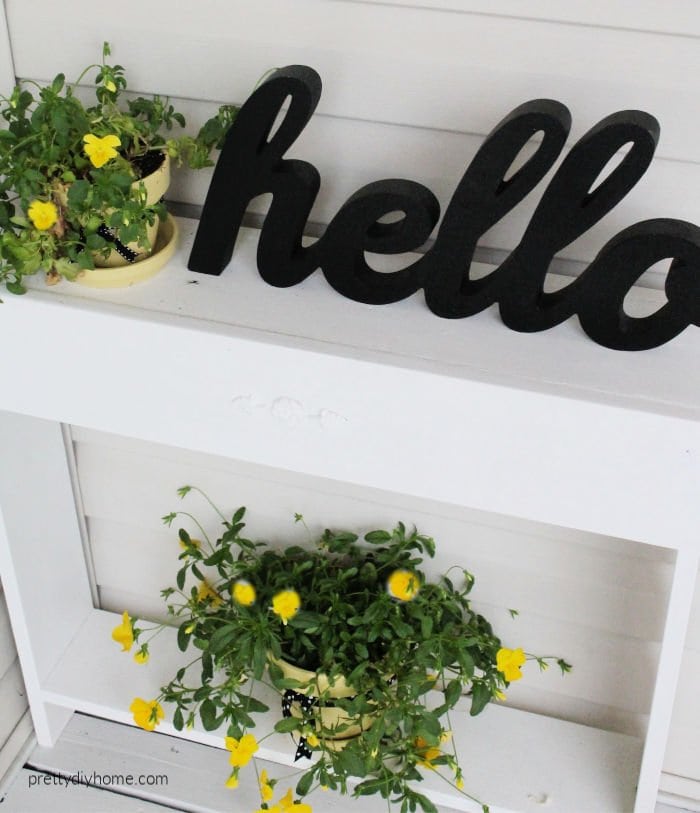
128	254
307	704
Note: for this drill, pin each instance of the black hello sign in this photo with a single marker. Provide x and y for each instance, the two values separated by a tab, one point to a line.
250	165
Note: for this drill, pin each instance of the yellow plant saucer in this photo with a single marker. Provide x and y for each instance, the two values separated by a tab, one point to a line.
126	275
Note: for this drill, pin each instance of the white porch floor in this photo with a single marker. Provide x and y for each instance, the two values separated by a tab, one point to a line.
182	776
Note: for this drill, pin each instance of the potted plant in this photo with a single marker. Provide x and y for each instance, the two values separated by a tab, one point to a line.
81	184
368	655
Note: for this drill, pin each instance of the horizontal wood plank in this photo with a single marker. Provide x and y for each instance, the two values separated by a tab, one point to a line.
673	16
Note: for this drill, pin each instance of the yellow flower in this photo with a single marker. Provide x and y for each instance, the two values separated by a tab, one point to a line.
403	585
241	750
286	604
427	753
459	783
499	695
509	662
232	781
313	741
142	655
446	736
244	593
147	713
124	633
196	542
43	214
111	87
101	150
266	792
206	592
287	805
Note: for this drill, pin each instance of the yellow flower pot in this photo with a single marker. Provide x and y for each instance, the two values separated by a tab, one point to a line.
327	716
156	184
125	275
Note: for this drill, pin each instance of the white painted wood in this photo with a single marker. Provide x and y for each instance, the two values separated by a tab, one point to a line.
14	752
286	407
675	17
34	792
7	70
283	402
670	661
506	765
40	554
193	771
13	701
575	596
281	363
408	57
8	653
561	361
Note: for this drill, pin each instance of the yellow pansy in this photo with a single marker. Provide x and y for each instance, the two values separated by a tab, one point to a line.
426	753
266	791
43	214
142	655
244	593
286	604
509	661
101	150
287	805
241	750
147	713
111	87
313	741
403	585
124	633
459	783
205	592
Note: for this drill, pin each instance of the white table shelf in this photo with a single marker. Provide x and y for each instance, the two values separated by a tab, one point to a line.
548	427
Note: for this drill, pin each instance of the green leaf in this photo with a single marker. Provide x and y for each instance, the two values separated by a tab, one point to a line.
304	784
207	711
222	637
377	537
287	725
94	242
15	288
85	261
183	638
180	578
425	803
178	720
453	691
207	666
78	192
480	698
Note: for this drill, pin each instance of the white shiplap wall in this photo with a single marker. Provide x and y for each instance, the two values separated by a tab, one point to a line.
410	90
597	601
